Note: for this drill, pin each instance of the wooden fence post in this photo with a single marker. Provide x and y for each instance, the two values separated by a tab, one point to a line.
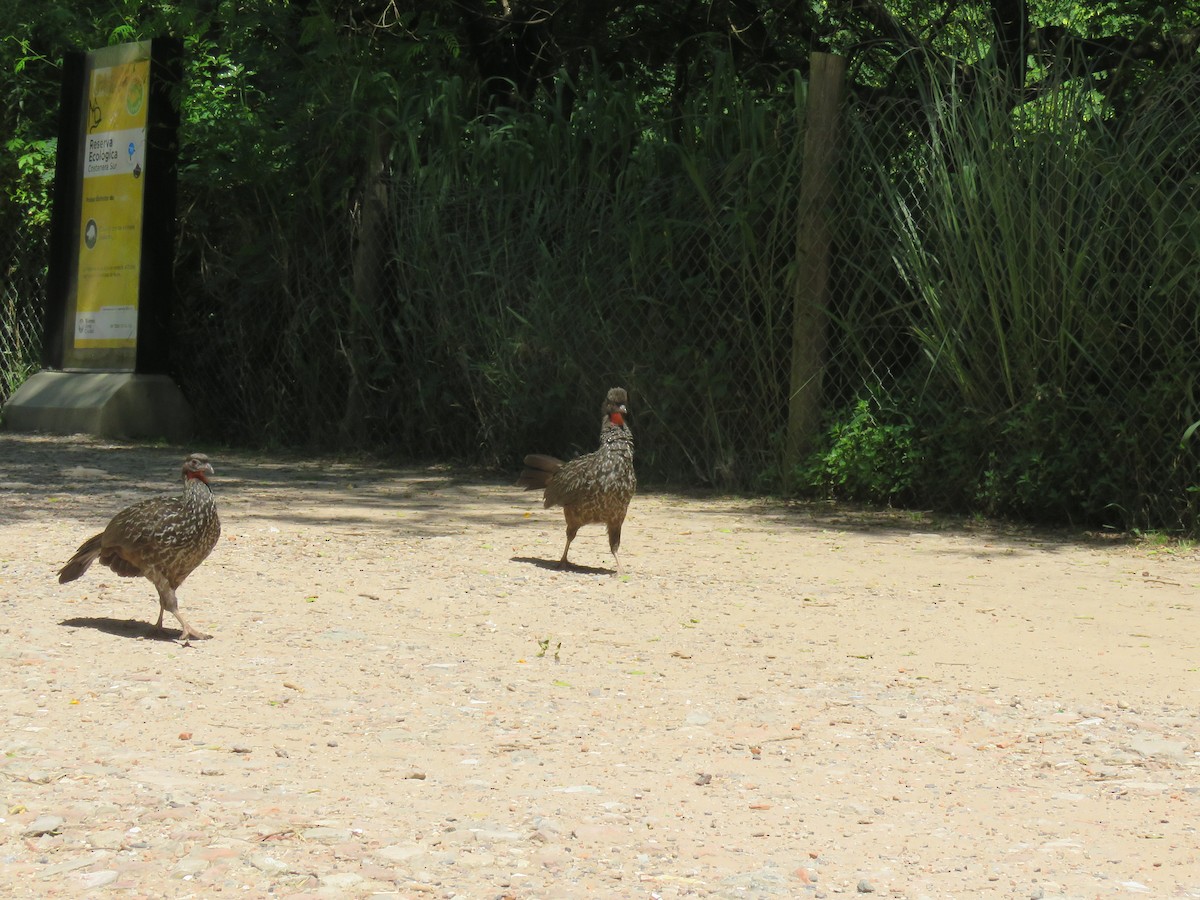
810	300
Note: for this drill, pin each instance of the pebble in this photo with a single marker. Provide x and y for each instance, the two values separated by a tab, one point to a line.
486	835
70	865
327	835
865	887
43	825
268	864
1150	745
97	879
765	881
189	865
106	840
398	853
342	881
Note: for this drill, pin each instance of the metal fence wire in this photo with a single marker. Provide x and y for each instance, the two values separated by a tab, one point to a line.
23	254
1012	322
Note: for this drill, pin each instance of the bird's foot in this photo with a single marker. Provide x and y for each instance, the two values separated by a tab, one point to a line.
190	634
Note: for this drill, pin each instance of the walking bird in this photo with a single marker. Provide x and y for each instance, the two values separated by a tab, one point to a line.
162	539
594	488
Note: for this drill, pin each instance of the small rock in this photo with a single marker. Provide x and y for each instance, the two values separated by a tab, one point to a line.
547	825
768	881
865	887
1152	745
43	825
341	880
328	835
268	865
189	865
476	860
89	880
68	865
488	835
106	840
396	853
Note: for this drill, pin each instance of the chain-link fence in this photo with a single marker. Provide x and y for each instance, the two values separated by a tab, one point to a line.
23	255
1019	293
1012	322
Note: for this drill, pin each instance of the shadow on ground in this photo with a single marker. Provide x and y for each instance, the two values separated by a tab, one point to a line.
89	479
130	628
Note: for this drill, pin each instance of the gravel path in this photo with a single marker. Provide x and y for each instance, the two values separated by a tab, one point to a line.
404	698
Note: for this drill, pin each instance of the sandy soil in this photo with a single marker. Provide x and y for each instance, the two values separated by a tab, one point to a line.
404	698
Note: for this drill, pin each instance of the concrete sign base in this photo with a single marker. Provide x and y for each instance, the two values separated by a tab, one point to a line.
105	404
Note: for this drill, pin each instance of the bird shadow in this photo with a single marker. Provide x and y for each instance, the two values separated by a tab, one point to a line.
553	566
130	628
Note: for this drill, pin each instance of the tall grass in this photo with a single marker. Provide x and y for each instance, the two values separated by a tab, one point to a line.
1050	254
530	261
1014	290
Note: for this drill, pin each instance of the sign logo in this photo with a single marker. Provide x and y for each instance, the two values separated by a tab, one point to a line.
134	95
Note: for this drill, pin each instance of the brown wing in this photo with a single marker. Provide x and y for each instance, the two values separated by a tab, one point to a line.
162	534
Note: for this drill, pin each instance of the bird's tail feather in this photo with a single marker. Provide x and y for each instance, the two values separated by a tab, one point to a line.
84	557
538	471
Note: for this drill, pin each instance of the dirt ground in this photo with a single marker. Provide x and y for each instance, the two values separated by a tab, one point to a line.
403	697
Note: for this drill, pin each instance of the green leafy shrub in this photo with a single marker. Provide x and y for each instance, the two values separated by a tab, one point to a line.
869	455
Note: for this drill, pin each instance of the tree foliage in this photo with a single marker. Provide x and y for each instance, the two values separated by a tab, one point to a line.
268	82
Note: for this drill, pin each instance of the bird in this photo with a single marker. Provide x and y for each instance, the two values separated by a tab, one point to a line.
596	487
163	539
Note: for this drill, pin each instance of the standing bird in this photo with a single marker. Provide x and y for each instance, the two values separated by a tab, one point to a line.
163	538
593	488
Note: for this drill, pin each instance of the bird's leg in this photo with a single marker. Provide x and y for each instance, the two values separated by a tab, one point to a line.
614	542
572	530
167	601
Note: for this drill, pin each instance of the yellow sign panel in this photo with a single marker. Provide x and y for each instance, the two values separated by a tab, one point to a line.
110	222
